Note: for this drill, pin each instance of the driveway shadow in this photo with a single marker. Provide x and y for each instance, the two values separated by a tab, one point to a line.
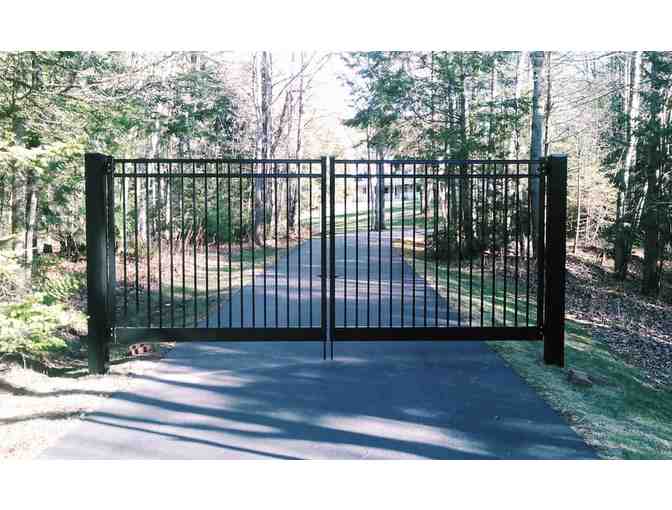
280	400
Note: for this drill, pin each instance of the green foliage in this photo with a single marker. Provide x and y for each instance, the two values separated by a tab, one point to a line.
38	324
442	244
446	244
63	288
410	103
379	98
54	106
35	325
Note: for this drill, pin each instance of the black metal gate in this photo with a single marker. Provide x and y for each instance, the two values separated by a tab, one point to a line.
205	249
448	250
217	249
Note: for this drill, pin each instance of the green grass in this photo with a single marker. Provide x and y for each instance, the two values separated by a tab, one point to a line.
353	221
621	415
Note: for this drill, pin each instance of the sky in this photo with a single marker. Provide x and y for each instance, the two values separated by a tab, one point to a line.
331	97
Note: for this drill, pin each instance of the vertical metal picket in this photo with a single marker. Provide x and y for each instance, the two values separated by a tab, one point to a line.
324	324
332	254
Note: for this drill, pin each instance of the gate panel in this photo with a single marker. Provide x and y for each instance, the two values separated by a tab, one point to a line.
401	229
220	249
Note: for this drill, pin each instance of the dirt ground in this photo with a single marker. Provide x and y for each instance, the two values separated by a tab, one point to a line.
36	410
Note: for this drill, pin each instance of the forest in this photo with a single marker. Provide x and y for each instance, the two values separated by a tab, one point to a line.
609	112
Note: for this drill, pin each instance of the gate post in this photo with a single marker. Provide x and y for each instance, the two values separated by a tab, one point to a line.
97	199
556	224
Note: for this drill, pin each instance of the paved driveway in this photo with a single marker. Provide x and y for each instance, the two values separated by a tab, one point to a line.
382	400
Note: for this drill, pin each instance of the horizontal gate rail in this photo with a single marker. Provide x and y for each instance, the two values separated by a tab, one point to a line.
221	176
449	334
436	177
228	334
436	162
219	160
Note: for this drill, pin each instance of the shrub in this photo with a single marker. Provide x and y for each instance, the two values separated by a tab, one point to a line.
444	244
63	287
37	325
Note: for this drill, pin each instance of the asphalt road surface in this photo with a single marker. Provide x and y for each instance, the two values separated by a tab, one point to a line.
281	400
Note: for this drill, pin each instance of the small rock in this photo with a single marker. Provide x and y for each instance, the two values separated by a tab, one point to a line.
578	378
139	349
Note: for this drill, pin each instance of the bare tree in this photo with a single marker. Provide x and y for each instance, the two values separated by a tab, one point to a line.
264	136
514	145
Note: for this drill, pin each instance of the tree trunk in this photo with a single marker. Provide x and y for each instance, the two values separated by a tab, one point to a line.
294	188
14	209
31	214
537	137
549	105
17	243
624	210
578	202
266	141
380	195
143	227
454	206
432	107
292	205
492	124
650	217
650	222
465	203
3	199
299	126
514	147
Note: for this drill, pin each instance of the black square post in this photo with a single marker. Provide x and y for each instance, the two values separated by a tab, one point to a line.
97	198
556	254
